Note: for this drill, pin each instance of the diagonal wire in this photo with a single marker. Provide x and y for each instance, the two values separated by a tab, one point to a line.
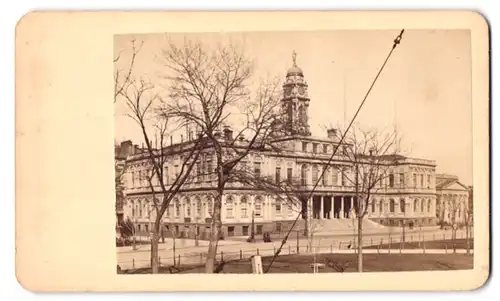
396	42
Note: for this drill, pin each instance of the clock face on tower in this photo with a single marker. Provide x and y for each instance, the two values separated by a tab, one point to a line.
302	91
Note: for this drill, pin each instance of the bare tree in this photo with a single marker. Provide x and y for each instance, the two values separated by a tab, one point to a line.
468	219
206	86
142	100
372	154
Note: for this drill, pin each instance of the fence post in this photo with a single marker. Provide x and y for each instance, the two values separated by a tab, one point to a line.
159	261
371	241
179	260
257	251
221	255
331	249
201	258
241	254
133	263
289	250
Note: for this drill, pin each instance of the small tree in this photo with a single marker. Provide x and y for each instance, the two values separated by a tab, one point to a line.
372	154
468	219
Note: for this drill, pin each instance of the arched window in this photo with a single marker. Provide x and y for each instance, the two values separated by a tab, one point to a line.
402	205
244	206
335	177
229	207
258	206
392	206
429	203
302	114
373	205
415	205
381	206
315	173
422	204
303	174
140	208
133	208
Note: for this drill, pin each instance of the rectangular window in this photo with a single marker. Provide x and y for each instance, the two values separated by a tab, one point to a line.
422	181
198	171
290	209
428	181
278	227
244	211
258	209
391	180
344	179
289	175
402	180
209	169
278	209
244	230
259	230
230	231
304	146
415	180
315	148
278	175
256	169
146	227
325	148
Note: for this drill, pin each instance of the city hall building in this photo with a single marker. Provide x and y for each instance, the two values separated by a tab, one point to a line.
407	194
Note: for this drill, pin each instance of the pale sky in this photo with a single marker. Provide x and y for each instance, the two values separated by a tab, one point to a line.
425	88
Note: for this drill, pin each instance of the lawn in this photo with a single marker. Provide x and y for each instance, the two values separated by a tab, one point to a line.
338	262
436	244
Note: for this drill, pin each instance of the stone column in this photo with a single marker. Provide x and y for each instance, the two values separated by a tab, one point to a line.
322	208
332	210
342	212
351	210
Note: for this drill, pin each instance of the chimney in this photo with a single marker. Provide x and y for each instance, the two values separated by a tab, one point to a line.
228	133
125	148
171	140
331	133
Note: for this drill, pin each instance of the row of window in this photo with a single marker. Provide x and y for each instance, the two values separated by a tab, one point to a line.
422	204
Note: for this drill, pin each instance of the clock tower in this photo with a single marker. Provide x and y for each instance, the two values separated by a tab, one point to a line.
295	102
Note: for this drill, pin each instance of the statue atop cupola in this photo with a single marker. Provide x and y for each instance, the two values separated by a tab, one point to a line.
295	101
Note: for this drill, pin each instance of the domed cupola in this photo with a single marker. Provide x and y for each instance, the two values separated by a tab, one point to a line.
295	101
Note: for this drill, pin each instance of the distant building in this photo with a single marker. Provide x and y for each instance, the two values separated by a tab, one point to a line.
453	199
408	194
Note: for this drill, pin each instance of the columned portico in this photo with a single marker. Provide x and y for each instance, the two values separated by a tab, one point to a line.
330	207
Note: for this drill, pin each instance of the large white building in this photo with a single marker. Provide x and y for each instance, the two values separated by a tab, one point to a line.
407	193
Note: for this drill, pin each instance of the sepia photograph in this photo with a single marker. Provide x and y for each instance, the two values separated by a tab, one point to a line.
268	152
252	151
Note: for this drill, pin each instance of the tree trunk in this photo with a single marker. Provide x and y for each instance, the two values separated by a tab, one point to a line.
360	244
215	228
467	247
154	247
